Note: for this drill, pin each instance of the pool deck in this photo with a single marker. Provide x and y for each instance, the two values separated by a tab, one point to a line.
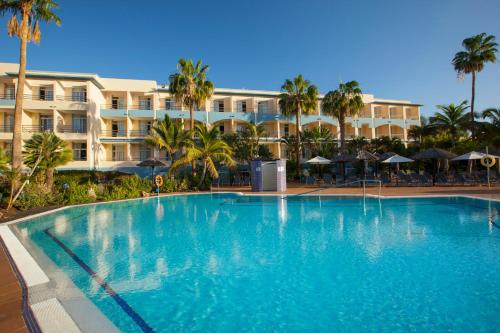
11	297
474	191
11	317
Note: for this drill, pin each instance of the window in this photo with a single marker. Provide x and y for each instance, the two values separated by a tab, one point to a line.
117	153
144	152
79	94
240	128
79	151
286	129
10	91
8	122
116	103
169	104
145	127
117	128
79	124
144	103
221	129
46	123
46	93
219	106
8	149
241	106
262	107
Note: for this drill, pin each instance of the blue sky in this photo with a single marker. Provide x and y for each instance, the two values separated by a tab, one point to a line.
395	49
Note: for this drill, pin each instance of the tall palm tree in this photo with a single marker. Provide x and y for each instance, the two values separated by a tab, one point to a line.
317	138
452	118
169	136
346	101
47	151
493	115
210	149
298	96
190	87
31	12
479	50
251	135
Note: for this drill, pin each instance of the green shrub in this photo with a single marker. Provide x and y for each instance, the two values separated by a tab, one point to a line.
78	193
34	196
174	185
127	188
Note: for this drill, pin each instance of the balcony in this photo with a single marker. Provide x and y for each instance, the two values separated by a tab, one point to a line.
7	100
114	133
71	129
139	133
30	129
114	110
6	129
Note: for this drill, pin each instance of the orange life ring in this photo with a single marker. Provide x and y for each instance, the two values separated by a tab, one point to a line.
158	180
488	161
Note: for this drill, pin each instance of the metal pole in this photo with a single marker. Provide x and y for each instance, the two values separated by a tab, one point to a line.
488	169
364	188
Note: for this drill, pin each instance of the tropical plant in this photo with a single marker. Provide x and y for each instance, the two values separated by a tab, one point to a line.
251	136
46	151
493	115
316	139
478	50
417	133
346	101
209	149
4	161
452	118
298	96
31	13
169	136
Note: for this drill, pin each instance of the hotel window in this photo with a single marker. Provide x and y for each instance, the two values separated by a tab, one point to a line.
144	103
241	128
116	103
79	151
117	128
8	149
46	93
79	124
118	153
144	127
10	91
219	106
241	106
8	122
79	94
145	152
221	129
46	123
263	107
286	129
169	104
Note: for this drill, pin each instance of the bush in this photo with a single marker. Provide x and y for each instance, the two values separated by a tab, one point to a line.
127	188
174	185
78	194
34	196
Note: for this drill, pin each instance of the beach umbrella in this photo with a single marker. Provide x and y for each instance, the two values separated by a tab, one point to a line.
366	157
318	160
152	163
472	156
342	158
434	154
397	159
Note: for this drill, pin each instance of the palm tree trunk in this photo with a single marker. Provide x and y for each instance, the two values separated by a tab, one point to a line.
49	178
191	128
297	141
18	111
473	97
203	174
342	131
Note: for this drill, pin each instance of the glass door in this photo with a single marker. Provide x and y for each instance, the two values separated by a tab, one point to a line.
46	123
79	124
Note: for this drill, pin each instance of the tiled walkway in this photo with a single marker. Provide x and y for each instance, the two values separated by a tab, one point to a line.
11	319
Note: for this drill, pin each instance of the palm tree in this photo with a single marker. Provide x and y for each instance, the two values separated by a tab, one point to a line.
493	115
190	87
298	96
452	118
479	50
210	149
169	136
346	101
47	151
317	138
31	12
250	137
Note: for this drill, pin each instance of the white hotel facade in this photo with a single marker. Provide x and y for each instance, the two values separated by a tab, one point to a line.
105	120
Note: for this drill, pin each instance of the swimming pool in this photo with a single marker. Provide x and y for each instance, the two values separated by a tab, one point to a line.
226	262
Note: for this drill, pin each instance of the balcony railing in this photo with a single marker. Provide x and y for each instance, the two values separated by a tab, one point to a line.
39	97
6	129
118	156
119	106
9	97
139	133
36	129
72	98
71	129
114	133
140	107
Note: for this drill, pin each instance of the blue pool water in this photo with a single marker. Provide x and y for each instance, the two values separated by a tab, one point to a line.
230	263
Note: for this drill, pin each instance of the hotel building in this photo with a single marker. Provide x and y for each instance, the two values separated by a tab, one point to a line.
105	120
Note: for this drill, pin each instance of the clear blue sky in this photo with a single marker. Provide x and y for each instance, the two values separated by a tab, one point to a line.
394	48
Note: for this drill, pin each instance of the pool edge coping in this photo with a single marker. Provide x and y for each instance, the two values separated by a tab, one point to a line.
16	258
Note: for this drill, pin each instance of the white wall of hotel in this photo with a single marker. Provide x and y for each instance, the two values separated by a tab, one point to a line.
105	119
